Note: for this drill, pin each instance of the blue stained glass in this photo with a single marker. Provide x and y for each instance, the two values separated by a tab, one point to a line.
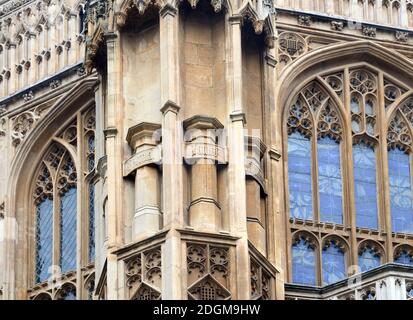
400	191
329	181
334	265
44	240
365	192
299	176
304	263
91	222
68	213
404	258
369	260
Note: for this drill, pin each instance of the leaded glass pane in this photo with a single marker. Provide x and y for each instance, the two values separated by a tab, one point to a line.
299	176
44	240
400	191
68	213
404	258
329	180
304	263
369	259
334	265
91	222
365	192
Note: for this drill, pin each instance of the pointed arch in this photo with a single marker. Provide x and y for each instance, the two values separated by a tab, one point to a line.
21	175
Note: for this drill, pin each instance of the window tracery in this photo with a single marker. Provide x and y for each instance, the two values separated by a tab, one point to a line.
56	211
314	124
313	120
370	256
304	260
333	261
404	255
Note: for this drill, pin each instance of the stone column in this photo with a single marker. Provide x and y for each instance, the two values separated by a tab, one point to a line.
236	157
146	154
202	153
255	187
172	187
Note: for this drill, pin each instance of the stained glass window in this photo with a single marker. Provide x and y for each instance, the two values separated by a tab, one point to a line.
404	258
44	240
68	212
303	263
369	259
334	265
365	194
329	181
299	176
91	222
400	191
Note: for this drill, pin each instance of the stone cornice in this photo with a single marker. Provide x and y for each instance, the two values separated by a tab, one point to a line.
202	122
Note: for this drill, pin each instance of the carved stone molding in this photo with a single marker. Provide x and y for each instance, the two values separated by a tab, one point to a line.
202	134
144	275
2	210
23	124
401	36
208	272
369	31
304	20
144	140
337	25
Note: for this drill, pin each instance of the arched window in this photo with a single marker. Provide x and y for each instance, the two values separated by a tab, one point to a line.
404	255
333	262
314	138
363	88
399	142
58	205
369	257
304	262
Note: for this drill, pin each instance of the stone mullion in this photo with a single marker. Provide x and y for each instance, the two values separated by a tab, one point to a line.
172	186
314	173
80	212
383	170
350	172
236	159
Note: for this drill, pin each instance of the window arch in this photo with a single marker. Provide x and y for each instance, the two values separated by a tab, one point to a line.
404	255
370	256
333	261
314	153
304	260
63	215
371	111
399	139
363	89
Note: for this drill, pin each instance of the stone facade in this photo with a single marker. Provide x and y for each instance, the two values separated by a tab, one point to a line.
143	144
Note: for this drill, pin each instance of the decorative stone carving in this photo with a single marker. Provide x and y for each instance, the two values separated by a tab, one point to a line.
369	31
28	96
261	287
368	293
208	272
337	25
401	36
143	275
391	93
329	123
291	45
304	20
55	84
22	124
2	127
398	134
